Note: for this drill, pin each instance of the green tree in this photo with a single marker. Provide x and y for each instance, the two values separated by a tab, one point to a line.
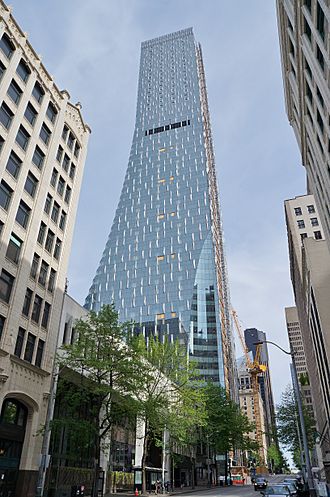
170	397
106	372
227	427
288	422
275	458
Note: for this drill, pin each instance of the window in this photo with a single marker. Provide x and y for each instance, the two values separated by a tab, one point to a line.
38	157
34	266
66	162
60	186
23	70
5	195
57	249
6	285
318	235
311	209
14	248
45	134
43	273
71	140
53	179
7	46
160	258
55	212
2	141
319	96
29	347
23	214
314	221
2	325
30	114
6	115
76	150
160	217
301	224
320	57
19	342
27	302
297	211
67	195
40	352
65	132
42	232
48	203
45	316
160	316
31	184
22	138
320	20
173	314
309	93
51	112
59	153
320	121
2	69
72	171
49	241
1	226
14	92
307	29
51	281
35	316
14	164
38	92
62	220
303	236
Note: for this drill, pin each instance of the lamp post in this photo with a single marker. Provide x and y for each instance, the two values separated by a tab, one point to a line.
300	412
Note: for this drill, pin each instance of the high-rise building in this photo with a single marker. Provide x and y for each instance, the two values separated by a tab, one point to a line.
310	276
163	265
252	336
297	346
43	141
246	402
304	40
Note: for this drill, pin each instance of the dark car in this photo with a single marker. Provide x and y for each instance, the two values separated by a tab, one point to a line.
260	484
292	484
278	489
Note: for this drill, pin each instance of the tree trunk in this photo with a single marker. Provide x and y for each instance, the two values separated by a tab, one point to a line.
144	459
96	467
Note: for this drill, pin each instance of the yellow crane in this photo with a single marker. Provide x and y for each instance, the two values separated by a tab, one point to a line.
255	369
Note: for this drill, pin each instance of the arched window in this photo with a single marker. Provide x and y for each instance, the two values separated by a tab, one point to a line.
13	413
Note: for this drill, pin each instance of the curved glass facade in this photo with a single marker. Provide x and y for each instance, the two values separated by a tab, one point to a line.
160	264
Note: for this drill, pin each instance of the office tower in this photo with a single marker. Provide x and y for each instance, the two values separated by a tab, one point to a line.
304	40
163	265
252	336
297	345
43	142
246	402
310	276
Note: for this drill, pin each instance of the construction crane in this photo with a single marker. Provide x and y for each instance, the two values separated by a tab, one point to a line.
255	369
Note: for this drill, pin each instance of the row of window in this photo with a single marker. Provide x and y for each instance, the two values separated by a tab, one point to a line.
34	312
71	141
40	272
67	165
317	235
301	223
58	182
52	208
50	240
29	347
167	127
23	211
310	210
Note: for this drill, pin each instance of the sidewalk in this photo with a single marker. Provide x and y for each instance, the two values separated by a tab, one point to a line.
176	491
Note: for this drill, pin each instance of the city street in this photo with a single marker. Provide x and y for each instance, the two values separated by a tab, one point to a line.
232	491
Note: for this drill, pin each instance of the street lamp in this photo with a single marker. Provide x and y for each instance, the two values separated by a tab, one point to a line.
300	412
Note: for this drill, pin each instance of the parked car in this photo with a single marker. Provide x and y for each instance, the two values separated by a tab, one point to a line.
293	487
260	483
278	489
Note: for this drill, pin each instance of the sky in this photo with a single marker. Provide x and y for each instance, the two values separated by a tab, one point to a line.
92	48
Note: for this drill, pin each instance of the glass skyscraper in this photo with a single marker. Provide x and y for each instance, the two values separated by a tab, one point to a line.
163	265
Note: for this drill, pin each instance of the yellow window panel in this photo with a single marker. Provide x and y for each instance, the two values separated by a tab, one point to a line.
173	314
162	149
173	214
173	256
160	258
160	216
161	180
171	178
160	316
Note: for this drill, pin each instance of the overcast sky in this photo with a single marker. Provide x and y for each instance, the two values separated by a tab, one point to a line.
92	49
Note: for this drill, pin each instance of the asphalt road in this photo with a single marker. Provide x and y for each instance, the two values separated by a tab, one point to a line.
232	491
